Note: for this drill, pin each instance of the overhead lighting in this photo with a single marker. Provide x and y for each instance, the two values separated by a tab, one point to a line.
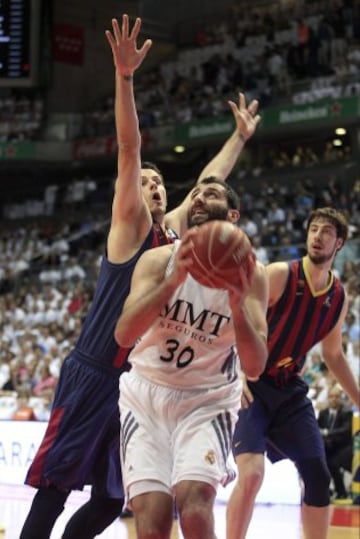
337	142
340	131
179	148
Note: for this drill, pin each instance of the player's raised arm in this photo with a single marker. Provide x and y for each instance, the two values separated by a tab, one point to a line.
246	122
128	204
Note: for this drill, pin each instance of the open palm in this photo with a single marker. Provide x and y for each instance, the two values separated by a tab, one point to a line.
127	57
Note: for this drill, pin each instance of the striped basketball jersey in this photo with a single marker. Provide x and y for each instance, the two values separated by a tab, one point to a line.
96	343
300	319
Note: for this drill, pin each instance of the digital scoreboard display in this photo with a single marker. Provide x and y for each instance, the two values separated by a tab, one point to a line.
19	39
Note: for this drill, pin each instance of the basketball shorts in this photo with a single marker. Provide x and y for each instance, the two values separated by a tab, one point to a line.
81	443
169	435
280	422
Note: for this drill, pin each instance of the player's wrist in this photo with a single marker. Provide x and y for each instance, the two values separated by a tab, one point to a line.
128	77
242	137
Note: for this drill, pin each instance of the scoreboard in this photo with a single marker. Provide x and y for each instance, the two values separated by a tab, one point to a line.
19	42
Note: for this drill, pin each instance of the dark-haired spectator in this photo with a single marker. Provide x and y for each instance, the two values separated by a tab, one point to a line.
45	384
286	250
335	423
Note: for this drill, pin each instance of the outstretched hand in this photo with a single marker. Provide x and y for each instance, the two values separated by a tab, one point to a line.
246	118
127	57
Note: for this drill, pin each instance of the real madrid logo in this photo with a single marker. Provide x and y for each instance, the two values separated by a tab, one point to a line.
210	457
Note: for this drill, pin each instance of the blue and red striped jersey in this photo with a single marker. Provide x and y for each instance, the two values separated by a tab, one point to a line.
300	319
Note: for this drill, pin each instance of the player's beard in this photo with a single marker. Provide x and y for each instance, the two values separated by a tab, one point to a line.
214	214
318	260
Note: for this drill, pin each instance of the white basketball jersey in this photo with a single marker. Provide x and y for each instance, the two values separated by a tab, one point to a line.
191	344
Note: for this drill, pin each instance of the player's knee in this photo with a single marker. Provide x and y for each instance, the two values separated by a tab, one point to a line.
195	517
195	512
316	479
251	468
153	510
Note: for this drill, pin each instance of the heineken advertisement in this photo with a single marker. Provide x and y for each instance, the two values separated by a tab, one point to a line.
195	133
273	118
17	150
206	129
332	109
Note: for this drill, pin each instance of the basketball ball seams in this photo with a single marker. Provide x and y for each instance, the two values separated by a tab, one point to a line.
219	249
237	254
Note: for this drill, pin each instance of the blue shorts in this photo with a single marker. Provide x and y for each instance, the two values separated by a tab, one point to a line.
81	444
280	422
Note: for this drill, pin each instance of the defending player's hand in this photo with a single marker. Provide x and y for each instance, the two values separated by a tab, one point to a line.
127	57
246	118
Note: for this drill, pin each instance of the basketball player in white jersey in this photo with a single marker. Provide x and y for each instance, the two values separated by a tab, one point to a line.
179	402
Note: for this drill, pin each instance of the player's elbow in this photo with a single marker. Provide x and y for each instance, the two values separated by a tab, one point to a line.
252	372
253	368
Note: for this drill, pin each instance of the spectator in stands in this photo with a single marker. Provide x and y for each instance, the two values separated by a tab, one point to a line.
276	214
249	226
325	34
303	35
45	384
6	357
286	250
352	351
352	327
21	376
279	75
322	386
353	290
335	423
259	250
312	368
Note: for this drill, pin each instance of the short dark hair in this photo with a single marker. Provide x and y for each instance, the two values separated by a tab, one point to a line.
152	166
232	197
335	217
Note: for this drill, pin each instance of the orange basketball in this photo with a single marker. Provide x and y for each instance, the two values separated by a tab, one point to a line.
219	248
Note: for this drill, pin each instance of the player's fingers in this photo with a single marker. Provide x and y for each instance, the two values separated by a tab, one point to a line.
257	119
242	101
125	26
116	30
146	46
110	38
253	107
185	249
190	234
136	28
